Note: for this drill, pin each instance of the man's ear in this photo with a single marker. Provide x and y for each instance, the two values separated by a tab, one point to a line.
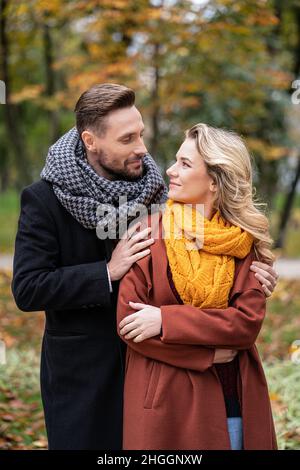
89	141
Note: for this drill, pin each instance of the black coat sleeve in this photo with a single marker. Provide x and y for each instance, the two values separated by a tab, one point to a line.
39	282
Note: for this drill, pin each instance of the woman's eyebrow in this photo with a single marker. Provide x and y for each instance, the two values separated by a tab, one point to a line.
184	158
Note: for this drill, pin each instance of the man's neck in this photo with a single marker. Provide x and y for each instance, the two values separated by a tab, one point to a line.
94	163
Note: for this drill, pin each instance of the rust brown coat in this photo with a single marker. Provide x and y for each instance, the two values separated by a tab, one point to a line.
172	395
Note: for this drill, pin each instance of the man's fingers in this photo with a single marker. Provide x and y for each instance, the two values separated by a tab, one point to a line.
261	265
140	255
266	267
139	236
264	275
141	246
263	280
266	290
266	285
129	233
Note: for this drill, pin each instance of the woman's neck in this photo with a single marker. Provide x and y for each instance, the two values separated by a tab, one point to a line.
208	211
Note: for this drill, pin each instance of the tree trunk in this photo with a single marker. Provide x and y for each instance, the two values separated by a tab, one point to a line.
288	205
50	82
11	111
287	209
155	104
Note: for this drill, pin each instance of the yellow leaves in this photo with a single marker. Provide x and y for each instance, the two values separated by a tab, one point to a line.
44	6
22	9
16	328
40	444
9	340
265	150
75	62
28	93
95	50
102	73
183	51
274	396
280	79
154	13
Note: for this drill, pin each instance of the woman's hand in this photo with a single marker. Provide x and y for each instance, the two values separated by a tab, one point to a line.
224	355
143	324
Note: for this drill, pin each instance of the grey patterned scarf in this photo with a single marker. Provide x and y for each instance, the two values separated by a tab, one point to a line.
80	189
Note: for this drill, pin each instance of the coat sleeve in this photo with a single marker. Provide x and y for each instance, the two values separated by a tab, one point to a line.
235	327
39	282
134	287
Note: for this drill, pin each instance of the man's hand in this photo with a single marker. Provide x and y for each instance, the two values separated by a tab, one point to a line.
224	355
143	324
129	250
266	275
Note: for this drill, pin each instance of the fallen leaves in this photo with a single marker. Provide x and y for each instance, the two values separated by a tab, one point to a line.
21	417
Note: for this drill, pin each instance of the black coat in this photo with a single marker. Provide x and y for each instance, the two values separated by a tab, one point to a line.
61	267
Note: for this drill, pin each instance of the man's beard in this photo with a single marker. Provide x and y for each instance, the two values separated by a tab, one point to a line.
121	173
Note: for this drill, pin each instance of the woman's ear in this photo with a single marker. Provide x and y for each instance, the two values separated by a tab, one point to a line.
213	186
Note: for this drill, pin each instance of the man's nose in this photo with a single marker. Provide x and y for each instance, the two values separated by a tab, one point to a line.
141	149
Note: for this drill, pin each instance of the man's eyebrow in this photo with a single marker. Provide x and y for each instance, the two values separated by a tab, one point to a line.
129	134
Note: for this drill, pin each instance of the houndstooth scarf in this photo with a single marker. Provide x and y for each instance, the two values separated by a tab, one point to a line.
80	189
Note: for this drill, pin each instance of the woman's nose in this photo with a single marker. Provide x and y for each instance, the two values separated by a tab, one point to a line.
171	170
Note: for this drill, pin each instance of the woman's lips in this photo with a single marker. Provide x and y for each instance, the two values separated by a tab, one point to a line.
173	184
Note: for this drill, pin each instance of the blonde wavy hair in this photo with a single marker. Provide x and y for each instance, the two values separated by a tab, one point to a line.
228	162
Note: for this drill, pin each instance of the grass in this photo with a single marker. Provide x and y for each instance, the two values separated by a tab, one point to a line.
9	214
284	383
22	418
21	415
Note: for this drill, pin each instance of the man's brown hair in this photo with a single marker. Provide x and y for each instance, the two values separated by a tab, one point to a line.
97	102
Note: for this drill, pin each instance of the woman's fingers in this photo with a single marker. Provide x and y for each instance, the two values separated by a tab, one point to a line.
126	329
137	305
133	333
127	320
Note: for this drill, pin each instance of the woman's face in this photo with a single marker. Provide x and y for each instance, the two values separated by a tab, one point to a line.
189	180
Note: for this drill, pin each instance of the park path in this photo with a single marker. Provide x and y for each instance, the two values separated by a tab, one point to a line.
286	268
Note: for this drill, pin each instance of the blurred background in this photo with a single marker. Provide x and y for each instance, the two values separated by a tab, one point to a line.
231	64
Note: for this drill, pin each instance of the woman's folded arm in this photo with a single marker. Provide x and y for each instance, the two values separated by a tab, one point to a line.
235	327
134	287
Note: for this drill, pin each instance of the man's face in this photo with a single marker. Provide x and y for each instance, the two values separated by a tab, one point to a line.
118	153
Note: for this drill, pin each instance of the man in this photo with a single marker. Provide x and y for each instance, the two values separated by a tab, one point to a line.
60	265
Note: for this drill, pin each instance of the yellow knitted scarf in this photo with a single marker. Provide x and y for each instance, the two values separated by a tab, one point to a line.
201	254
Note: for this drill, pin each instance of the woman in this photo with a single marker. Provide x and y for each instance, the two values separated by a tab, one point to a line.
194	298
